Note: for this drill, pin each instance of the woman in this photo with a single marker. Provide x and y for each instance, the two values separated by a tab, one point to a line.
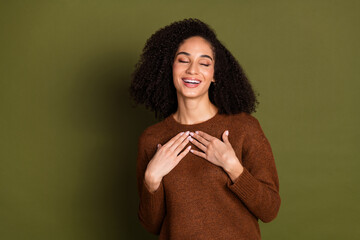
206	171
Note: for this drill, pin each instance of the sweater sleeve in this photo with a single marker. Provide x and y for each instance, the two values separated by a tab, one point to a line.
152	205
258	185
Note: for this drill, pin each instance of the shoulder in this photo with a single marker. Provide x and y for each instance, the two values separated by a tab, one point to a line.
245	121
245	118
150	136
155	129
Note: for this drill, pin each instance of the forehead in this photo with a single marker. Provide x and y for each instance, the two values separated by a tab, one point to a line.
196	46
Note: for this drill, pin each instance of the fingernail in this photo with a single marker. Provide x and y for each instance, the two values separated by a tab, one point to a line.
181	133
187	133
190	138
227	133
192	134
158	145
189	147
197	132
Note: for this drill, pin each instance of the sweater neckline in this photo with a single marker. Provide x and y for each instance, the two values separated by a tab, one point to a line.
172	120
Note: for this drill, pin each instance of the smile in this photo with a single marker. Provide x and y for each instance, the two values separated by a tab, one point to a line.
191	83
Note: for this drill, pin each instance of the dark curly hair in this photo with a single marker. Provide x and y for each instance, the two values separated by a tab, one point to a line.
152	83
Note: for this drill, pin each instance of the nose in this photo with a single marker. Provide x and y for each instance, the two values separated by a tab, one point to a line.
192	69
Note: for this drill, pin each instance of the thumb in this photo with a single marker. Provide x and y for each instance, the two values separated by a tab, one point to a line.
159	146
225	137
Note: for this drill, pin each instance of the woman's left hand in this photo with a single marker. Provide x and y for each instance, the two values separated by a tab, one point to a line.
218	152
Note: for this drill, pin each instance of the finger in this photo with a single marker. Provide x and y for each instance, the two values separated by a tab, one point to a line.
199	145
225	137
183	154
179	141
205	135
176	137
182	145
200	139
200	154
158	146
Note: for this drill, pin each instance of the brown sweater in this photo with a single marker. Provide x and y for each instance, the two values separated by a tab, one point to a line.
198	200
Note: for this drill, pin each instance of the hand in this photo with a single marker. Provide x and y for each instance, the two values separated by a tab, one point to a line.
165	159
218	152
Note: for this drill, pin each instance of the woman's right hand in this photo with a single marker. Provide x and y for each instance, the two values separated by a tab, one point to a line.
165	159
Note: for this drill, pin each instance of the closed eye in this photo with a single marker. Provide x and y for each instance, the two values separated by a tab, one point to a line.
206	65
182	61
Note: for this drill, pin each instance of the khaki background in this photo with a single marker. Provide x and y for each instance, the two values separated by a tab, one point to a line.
69	133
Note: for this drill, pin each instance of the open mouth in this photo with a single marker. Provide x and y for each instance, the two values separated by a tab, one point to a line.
191	82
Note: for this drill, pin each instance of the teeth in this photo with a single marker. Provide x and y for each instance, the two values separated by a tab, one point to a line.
191	81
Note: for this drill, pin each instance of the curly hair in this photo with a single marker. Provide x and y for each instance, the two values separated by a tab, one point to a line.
152	80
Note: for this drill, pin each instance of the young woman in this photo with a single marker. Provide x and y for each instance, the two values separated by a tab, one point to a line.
206	171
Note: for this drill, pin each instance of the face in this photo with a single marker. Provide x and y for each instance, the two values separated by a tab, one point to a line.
193	68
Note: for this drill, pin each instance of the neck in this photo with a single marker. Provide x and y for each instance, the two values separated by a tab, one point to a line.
192	111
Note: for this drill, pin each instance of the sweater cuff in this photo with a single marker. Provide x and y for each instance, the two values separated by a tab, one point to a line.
245	186
153	198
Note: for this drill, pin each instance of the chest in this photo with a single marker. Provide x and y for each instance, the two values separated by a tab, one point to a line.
195	175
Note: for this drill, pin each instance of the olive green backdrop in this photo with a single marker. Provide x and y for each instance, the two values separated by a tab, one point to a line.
69	132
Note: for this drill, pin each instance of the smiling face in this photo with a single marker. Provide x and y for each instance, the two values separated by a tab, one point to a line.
193	68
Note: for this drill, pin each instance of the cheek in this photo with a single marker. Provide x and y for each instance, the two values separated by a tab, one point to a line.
176	69
208	73
175	74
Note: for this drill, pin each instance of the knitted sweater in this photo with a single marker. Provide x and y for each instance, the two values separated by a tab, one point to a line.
197	199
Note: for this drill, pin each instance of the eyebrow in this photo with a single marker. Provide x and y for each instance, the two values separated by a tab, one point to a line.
188	54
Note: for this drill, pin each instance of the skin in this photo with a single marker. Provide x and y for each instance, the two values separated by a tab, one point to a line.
194	59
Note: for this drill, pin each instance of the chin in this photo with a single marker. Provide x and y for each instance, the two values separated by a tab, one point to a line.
191	94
